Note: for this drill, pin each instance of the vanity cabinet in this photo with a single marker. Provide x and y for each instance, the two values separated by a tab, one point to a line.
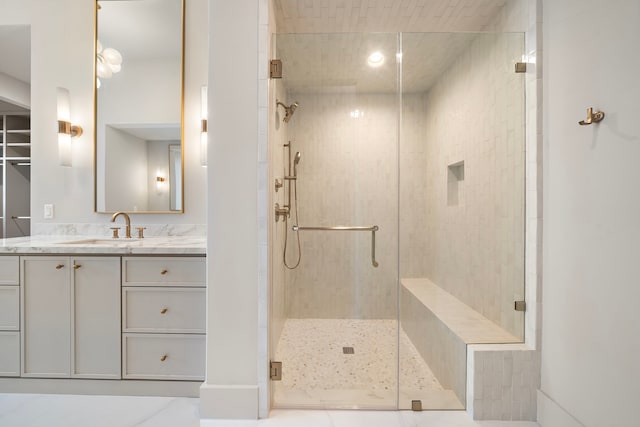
70	309
136	320
163	318
9	316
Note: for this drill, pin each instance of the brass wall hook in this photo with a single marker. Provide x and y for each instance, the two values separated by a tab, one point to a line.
592	117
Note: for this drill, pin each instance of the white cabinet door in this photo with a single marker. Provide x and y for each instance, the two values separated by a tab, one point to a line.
45	285
96	317
9	308
9	354
71	317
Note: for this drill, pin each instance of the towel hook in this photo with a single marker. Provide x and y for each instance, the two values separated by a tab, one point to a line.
592	117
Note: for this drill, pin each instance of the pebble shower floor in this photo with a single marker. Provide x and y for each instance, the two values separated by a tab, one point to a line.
317	373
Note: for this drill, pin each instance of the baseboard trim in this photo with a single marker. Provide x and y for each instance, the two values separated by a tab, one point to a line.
550	414
100	387
229	401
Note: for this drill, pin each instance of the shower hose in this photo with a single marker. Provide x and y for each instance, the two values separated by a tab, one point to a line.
286	231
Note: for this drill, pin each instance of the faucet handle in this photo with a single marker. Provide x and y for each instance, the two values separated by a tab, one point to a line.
141	232
115	232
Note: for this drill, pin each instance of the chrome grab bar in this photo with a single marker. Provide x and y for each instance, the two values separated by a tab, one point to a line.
372	229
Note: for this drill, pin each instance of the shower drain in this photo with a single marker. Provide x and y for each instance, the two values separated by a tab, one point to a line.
348	350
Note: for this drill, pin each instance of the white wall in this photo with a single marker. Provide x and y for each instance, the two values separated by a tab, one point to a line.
590	345
126	165
158	165
62	44
234	244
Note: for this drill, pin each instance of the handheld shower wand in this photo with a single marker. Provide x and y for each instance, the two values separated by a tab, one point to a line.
296	160
293	181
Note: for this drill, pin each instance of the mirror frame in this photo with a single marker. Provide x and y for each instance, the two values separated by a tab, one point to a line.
95	114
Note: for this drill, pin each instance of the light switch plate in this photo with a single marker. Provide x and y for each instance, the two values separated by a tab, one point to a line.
48	211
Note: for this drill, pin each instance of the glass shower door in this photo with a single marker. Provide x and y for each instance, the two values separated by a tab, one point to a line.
334	295
461	206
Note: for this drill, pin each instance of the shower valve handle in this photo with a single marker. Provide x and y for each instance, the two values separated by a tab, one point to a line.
281	212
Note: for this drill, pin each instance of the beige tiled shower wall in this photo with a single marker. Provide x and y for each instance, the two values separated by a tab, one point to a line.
462	180
347	177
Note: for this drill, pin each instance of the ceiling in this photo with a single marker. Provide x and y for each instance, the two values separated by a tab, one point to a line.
336	16
324	44
15	51
328	62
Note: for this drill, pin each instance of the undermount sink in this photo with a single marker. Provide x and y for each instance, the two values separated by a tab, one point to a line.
100	241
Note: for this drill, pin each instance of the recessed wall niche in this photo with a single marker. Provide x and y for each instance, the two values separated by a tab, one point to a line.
455	184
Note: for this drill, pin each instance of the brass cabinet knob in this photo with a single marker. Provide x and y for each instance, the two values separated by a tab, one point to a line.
59	266
163	272
163	358
76	266
164	311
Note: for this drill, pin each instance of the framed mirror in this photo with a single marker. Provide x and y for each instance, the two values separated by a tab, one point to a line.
139	106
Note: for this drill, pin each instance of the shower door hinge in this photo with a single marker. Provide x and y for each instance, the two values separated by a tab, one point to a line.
521	67
276	371
520	306
275	69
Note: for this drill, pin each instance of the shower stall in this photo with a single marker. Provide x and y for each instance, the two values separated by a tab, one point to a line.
398	229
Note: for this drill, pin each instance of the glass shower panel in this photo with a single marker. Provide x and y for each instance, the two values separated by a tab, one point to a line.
461	207
337	338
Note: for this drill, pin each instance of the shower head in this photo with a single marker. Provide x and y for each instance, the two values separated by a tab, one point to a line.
288	110
296	160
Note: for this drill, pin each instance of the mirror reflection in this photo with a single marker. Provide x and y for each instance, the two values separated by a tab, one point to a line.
139	64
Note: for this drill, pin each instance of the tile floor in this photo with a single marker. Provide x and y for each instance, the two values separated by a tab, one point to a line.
38	410
317	374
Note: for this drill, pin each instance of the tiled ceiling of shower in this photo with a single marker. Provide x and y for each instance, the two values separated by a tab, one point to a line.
335	16
338	62
324	44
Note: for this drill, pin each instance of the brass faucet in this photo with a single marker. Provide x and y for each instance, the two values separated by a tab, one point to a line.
127	222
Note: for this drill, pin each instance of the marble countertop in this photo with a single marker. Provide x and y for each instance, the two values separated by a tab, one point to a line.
171	245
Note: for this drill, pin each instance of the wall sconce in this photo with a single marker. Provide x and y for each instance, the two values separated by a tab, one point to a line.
203	128
65	129
159	183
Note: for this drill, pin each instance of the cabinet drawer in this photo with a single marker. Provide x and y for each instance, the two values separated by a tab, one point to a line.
173	310
9	308
163	357
9	354
9	270
188	271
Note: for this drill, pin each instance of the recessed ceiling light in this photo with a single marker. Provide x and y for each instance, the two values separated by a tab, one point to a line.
375	59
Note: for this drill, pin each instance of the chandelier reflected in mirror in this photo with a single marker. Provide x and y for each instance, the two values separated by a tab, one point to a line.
108	62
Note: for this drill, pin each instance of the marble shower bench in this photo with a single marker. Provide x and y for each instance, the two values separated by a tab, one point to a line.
441	326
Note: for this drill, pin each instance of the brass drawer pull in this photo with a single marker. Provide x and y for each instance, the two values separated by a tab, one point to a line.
76	266
163	272
59	266
163	358
164	311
